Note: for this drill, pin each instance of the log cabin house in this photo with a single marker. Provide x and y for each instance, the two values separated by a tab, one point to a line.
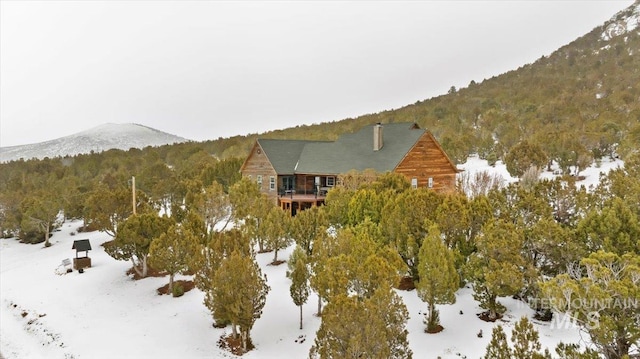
297	174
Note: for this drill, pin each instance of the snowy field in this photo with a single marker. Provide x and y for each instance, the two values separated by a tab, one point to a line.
103	313
591	174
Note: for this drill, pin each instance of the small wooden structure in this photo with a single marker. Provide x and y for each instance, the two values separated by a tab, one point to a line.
82	245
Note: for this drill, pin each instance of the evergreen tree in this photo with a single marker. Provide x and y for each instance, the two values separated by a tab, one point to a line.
526	343
523	156
226	172
172	251
354	264
481	213
10	216
550	248
242	196
613	228
602	296
220	245
212	203
622	183
276	230
238	294
134	239
255	220
366	203
438	277
308	225
194	223
337	205
324	247
405	221
108	208
389	181
158	181
354	180
568	201
208	259
72	193
299	274
453	217
572	351
363	328
41	210
498	347
525	339
496	269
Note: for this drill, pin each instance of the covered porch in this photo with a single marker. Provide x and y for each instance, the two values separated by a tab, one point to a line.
293	202
299	192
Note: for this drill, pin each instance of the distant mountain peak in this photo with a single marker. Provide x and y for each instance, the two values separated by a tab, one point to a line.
97	139
125	129
623	22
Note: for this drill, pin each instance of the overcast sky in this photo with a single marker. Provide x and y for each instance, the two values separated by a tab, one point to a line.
209	69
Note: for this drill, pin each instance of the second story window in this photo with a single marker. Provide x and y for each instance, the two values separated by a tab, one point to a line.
272	183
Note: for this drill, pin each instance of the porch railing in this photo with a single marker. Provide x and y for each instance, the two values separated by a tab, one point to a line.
316	191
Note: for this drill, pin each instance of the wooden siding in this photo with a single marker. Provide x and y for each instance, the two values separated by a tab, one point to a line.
427	160
257	164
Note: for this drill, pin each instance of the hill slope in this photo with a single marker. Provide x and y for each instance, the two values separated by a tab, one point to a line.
98	139
583	99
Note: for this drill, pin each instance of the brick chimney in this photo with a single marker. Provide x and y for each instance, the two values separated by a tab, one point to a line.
377	137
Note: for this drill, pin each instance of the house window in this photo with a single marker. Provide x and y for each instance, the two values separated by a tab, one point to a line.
414	183
272	183
259	180
288	183
430	183
331	181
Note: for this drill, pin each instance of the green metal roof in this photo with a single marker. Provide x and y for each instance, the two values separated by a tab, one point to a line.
352	151
283	154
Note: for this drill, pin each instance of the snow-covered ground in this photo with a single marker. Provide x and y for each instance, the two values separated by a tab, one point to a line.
103	313
591	174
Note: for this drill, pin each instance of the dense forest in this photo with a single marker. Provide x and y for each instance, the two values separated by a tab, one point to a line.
546	242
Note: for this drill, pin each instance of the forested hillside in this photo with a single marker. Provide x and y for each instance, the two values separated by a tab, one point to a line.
582	100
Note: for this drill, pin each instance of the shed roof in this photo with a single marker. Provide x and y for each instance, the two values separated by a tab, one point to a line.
81	245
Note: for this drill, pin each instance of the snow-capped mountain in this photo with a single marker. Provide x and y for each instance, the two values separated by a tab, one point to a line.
98	139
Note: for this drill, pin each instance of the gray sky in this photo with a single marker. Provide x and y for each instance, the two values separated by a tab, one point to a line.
209	69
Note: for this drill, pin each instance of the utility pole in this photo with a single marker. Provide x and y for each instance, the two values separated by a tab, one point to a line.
133	193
